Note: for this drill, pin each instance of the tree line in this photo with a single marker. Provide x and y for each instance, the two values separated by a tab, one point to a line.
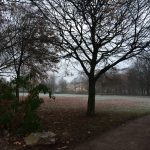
134	80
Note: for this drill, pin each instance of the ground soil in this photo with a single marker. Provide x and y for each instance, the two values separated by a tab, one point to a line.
133	135
66	117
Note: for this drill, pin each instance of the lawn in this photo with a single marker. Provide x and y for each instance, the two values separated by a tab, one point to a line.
66	116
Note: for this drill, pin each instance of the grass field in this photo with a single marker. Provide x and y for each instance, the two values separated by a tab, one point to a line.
66	116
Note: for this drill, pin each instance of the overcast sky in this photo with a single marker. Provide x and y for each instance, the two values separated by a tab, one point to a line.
69	70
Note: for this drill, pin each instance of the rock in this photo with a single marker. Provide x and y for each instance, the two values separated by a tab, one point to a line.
64	147
67	142
6	133
65	134
40	138
71	139
32	139
17	143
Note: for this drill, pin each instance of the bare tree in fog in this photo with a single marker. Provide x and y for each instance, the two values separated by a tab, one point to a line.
99	34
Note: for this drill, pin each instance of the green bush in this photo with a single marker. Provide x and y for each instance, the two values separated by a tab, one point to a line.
21	118
6	95
6	91
30	123
32	104
6	120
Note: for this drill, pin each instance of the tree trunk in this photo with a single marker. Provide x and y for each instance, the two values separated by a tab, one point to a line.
91	98
17	91
17	87
148	91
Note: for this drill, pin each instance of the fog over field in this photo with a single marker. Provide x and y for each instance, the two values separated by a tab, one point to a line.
99	97
107	97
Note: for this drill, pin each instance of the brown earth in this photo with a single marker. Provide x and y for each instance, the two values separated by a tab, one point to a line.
131	136
66	117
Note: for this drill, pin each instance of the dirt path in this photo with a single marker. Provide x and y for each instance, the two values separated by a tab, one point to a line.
134	135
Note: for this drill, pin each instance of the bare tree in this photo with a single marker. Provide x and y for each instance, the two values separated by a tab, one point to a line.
141	80
51	82
29	43
5	59
62	85
99	34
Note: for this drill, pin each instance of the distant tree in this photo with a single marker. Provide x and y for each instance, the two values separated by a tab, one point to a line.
110	82
99	34
51	82
139	75
62	85
79	84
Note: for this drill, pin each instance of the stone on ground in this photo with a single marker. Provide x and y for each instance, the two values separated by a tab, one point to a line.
40	138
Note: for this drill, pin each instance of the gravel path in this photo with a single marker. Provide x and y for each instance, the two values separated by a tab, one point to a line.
134	135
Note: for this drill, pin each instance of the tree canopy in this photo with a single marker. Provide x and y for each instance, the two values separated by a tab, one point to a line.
99	34
26	41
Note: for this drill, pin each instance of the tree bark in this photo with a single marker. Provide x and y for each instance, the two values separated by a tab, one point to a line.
17	92
17	87
91	98
148	91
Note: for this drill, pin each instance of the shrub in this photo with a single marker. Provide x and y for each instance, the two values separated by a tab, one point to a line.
6	120
6	91
32	104
30	123
21	118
